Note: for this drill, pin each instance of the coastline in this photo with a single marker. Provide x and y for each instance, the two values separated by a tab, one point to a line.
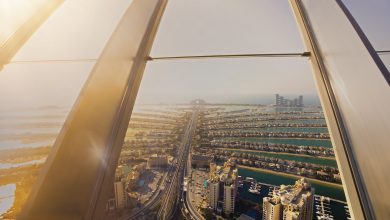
295	138
320	182
268	152
283	140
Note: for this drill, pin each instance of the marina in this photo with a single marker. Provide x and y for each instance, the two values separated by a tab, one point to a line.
323	206
323	189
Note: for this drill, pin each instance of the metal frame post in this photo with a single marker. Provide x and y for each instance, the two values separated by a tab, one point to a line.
330	108
11	46
78	174
344	63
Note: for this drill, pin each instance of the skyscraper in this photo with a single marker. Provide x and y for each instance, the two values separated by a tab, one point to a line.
300	101
120	194
119	189
213	196
290	202
229	196
222	187
278	100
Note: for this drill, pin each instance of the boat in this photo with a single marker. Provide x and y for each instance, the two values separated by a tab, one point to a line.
249	179
255	188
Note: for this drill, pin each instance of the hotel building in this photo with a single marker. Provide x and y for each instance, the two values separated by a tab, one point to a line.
292	202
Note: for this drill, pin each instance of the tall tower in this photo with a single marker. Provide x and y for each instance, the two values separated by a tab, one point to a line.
119	189
279	100
229	196
222	187
213	196
120	194
300	101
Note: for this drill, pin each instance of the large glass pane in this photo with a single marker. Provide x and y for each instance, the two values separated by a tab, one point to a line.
40	85
386	59
374	18
192	114
14	14
361	92
35	100
201	27
77	30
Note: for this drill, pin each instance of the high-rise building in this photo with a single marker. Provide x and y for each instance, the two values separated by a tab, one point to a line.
119	190
213	195
292	202
229	196
222	187
300	101
278	100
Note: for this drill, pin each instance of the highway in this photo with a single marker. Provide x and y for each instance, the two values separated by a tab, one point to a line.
173	191
170	191
191	213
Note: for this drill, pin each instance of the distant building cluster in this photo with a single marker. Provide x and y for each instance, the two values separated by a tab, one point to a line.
292	202
222	187
280	101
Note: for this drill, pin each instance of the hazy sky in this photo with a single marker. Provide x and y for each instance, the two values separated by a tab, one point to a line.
189	27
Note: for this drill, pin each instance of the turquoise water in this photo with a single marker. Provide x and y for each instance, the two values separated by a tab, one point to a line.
301	121
335	208
274	179
289	129
319	161
299	142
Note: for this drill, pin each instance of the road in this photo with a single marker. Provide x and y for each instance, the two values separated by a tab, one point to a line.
187	208
170	200
170	192
152	203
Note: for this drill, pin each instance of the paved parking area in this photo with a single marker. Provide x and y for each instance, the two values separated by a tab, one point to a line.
198	193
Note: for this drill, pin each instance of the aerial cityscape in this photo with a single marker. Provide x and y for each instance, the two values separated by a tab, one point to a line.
194	110
211	161
214	159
